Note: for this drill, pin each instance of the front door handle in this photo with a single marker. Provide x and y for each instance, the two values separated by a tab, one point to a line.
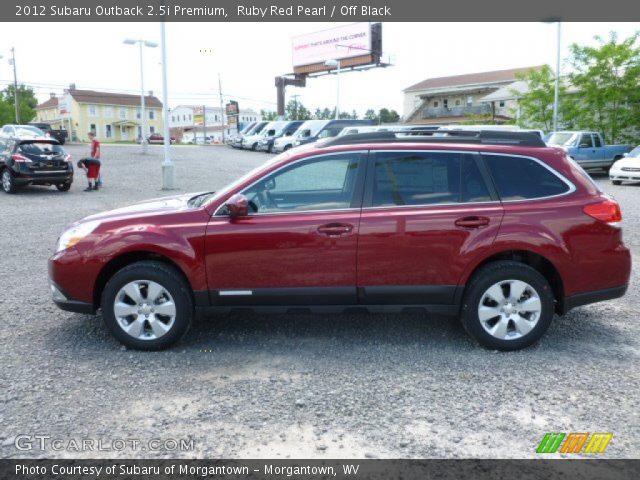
335	229
472	222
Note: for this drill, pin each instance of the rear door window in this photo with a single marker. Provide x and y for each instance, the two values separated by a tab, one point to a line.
522	178
426	178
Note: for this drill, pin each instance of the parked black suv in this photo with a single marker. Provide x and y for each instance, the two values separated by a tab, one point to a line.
34	162
60	135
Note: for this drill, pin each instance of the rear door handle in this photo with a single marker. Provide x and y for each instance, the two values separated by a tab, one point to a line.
472	222
335	229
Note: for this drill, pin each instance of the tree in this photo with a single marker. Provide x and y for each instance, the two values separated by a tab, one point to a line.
536	104
371	115
268	115
27	103
608	79
388	116
295	110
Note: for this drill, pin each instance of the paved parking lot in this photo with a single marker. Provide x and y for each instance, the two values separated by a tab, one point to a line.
301	386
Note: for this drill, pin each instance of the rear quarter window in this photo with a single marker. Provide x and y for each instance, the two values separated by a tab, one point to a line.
521	178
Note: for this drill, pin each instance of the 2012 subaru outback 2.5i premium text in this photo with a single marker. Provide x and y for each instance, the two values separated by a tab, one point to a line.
493	227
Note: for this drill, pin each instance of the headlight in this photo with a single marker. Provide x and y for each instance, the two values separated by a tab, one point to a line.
74	234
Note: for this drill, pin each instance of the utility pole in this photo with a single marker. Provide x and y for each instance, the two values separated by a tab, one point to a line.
295	100
221	110
15	84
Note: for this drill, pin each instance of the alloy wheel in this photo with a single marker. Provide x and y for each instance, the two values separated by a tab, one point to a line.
509	309
144	309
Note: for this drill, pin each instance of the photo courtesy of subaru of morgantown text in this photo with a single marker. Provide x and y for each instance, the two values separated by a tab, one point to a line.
319	240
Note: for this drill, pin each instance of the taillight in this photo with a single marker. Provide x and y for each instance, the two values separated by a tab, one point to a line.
607	211
20	158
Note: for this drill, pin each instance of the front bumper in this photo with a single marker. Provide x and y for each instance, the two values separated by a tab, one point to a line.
63	302
622	175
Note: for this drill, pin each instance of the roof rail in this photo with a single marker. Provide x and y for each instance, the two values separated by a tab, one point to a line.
483	137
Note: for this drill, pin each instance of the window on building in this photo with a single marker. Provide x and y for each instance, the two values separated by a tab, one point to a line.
139	132
123	113
435	104
92	128
93	110
445	102
138	114
458	103
184	118
152	114
107	112
173	118
152	130
519	178
501	103
469	100
108	132
189	117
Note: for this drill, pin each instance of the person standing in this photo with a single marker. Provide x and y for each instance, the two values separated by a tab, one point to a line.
95	154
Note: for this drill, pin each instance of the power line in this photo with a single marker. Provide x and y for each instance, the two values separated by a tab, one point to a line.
177	95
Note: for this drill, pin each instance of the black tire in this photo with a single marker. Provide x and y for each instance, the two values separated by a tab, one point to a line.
254	146
616	182
488	276
169	278
8	184
64	187
286	147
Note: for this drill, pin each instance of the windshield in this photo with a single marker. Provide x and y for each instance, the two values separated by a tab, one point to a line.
41	148
310	128
635	153
562	138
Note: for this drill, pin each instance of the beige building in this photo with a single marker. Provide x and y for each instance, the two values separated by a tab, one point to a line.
112	116
461	98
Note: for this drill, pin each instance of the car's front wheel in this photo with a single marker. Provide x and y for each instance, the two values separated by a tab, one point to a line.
147	305
507	306
63	187
8	184
616	182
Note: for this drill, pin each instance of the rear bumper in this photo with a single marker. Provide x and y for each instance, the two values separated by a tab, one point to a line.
21	179
593	297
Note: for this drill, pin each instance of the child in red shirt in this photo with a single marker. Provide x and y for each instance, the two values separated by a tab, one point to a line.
95	154
92	167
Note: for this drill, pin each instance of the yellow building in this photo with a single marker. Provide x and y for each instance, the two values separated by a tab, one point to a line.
112	116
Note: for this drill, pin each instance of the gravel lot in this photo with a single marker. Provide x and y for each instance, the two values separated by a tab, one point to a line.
388	386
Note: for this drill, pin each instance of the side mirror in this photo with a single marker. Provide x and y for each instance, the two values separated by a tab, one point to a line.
237	205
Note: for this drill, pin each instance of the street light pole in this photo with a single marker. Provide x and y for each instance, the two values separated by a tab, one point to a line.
143	120
15	84
168	172
556	93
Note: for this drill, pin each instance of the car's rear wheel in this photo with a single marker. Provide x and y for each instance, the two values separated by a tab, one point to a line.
147	305
8	184
63	187
616	182
507	306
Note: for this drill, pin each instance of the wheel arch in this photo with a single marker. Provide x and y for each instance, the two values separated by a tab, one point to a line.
528	257
125	259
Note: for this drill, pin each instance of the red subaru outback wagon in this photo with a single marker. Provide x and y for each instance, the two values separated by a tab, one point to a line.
493	227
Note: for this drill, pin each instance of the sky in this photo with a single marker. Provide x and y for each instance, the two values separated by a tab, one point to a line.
249	55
